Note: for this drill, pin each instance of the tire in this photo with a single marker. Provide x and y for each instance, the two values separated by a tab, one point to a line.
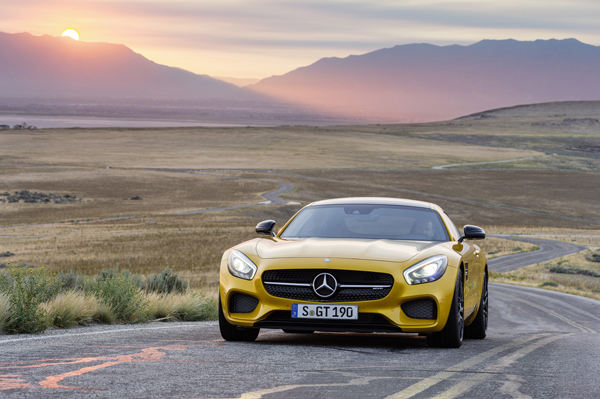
452	334
477	329
230	332
294	331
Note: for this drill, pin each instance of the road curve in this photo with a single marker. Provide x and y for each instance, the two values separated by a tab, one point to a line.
491	162
549	249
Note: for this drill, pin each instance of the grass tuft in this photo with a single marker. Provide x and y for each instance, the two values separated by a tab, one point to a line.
4	309
69	309
184	306
195	307
161	307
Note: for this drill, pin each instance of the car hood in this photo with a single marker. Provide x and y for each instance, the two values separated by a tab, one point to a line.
381	250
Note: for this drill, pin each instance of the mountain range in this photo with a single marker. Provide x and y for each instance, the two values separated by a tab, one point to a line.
49	66
407	83
423	82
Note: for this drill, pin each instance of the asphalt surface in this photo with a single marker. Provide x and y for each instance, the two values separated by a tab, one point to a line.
540	344
549	250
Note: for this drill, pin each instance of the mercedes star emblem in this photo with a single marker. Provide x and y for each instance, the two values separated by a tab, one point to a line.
324	285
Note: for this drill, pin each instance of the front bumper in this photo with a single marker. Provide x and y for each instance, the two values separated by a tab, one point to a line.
389	314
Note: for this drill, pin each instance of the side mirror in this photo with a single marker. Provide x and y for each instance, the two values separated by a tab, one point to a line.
266	227
473	232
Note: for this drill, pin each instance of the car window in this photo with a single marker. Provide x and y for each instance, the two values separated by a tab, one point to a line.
367	221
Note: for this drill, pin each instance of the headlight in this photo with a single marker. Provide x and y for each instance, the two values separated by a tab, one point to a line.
241	266
426	271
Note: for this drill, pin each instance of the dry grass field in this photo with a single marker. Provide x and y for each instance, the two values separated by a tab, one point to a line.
576	274
183	169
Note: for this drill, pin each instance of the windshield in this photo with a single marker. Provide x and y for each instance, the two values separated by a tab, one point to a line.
367	221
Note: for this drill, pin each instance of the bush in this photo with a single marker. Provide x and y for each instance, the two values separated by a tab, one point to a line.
573	270
594	257
165	283
4	309
110	273
120	292
549	284
71	281
27	289
31	299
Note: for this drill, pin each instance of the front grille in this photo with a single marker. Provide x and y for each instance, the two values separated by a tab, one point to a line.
364	280
242	303
420	309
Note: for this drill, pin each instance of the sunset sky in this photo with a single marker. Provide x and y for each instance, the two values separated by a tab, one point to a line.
260	38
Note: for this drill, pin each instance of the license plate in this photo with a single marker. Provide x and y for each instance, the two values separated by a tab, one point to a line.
313	311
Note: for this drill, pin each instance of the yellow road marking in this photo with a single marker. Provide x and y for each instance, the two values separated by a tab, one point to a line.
444	375
500	364
355	381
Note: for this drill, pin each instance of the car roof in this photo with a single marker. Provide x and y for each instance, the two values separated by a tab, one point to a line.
375	201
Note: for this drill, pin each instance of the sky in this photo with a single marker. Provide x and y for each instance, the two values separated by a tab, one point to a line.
260	38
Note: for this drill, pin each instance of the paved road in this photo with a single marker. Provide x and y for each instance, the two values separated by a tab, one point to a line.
541	344
491	162
549	250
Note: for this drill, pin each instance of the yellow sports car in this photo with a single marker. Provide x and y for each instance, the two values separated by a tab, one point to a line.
358	265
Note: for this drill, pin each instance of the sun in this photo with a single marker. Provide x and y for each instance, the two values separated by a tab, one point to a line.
72	33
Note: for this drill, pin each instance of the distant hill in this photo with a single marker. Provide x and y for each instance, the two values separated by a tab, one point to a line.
239	82
48	66
423	82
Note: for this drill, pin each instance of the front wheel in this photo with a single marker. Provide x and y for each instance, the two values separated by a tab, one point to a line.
452	334
230	332
477	329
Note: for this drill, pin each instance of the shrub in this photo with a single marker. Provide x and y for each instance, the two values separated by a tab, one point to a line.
4	309
549	284
69	309
71	281
166	282
120	293
6	254
573	270
594	257
110	273
27	289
